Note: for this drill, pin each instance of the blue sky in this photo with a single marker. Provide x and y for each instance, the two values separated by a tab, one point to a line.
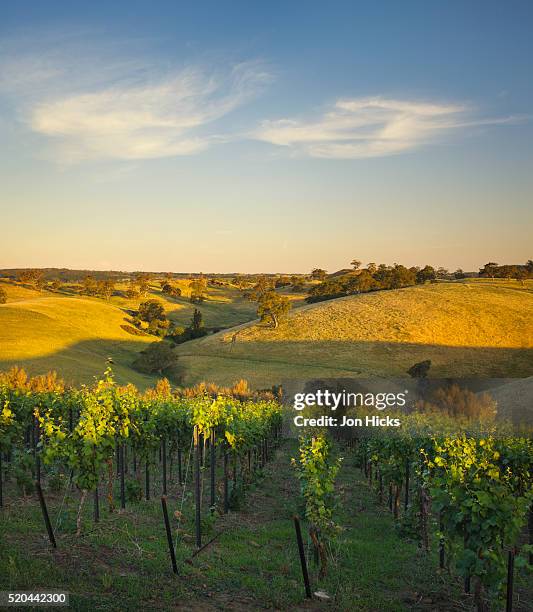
265	136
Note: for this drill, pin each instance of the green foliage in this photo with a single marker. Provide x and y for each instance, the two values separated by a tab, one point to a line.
273	306
317	470
3	296
371	278
475	476
155	358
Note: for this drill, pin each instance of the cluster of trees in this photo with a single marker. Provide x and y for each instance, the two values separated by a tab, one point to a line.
97	288
153	314
171	290
271	306
33	277
151	318
198	288
138	286
371	278
520	272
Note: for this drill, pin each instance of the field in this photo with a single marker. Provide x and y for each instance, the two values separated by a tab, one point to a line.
468	328
74	335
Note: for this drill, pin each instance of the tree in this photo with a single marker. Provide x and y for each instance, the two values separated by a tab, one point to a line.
33	277
420	370
143	283
489	269
198	289
371	267
356	264
529	266
156	358
56	285
151	310
318	274
442	273
105	288
459	274
170	290
262	286
88	286
132	290
197	321
426	274
297	283
3	296
273	306
365	281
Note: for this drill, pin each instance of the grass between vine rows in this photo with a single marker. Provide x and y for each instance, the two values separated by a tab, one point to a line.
123	564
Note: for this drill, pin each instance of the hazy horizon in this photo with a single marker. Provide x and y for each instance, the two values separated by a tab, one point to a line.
267	137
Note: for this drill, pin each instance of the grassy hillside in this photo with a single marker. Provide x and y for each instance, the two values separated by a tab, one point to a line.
44	330
72	335
469	328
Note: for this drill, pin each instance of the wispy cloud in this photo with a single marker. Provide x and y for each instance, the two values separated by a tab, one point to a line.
123	109
145	121
370	127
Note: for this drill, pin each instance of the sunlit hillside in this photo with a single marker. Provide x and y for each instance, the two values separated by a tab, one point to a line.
71	335
469	328
74	335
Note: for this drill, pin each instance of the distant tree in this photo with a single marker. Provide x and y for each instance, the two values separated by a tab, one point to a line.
442	273
151	310
3	296
529	266
297	283
356	264
32	276
156	358
273	306
143	283
88	286
197	321
427	273
56	284
132	290
521	275
262	286
282	281
371	267
459	274
198	288
420	370
489	269
105	288
318	274
364	281
170	290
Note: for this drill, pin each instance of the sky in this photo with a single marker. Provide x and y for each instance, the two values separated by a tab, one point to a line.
265	137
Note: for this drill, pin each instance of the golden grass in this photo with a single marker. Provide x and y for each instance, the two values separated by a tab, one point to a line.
71	335
478	328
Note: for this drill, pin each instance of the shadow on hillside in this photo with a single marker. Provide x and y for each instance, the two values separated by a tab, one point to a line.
83	361
367	358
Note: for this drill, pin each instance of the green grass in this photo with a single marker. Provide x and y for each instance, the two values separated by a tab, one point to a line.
123	564
470	328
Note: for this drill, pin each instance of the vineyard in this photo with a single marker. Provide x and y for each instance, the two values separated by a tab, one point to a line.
459	495
467	484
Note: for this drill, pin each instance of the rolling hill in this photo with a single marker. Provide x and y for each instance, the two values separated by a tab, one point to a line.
71	335
469	328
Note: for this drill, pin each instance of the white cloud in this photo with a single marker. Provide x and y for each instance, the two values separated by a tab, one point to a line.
369	127
104	104
144	121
